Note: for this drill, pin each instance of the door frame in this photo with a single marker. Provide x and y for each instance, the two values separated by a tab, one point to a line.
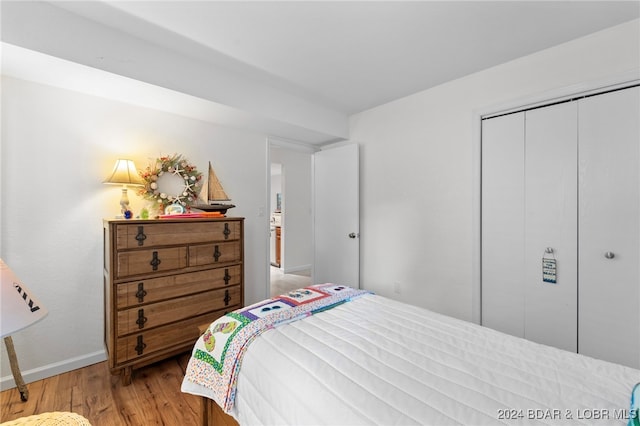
276	142
614	82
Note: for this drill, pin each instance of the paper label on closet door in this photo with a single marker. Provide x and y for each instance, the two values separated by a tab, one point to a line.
549	271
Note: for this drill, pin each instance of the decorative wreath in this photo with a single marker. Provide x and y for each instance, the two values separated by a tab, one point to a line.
177	165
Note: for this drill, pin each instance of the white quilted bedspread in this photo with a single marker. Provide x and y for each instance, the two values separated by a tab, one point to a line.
377	361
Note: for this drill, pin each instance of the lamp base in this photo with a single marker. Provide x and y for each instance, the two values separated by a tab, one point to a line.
124	204
124	201
15	369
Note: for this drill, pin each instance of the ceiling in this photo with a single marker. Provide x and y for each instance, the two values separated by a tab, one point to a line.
335	58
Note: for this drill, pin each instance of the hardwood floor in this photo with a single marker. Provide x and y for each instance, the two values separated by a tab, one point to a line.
154	397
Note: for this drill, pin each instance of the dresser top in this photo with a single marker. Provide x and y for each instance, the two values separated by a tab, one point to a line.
173	220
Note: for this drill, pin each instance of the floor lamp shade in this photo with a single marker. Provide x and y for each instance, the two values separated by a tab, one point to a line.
19	306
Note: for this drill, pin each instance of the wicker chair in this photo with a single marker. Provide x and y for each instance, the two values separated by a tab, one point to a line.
57	418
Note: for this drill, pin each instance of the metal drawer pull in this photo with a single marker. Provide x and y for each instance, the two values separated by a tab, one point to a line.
227	277
609	255
141	293
216	253
141	318
226	231
227	298
141	237
155	261
140	346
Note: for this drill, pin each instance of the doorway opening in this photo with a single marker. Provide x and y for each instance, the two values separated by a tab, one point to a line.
290	225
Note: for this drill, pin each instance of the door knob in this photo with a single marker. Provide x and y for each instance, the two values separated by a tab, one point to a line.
353	235
609	255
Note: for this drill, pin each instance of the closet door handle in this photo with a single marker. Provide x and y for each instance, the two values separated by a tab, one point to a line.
609	255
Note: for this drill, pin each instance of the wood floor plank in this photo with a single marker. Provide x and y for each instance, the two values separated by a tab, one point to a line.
98	399
57	393
153	398
175	408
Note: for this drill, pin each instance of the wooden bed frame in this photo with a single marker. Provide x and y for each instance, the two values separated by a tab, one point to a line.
212	414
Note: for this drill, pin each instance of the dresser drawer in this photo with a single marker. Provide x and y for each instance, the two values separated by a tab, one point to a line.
210	254
146	343
138	235
140	292
150	261
148	316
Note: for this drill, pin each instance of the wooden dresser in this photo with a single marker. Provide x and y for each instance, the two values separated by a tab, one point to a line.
163	279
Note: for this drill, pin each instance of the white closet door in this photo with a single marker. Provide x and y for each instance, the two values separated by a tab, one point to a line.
609	220
503	223
551	222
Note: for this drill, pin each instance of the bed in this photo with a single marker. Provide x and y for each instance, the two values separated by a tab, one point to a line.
358	358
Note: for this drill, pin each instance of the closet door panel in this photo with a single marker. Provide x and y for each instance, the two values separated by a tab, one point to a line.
550	222
503	223
609	221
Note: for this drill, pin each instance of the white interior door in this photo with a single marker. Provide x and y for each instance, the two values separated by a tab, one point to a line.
503	223
551	144
336	216
609	296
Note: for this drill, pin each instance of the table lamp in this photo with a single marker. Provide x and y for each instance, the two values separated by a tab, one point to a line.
20	309
124	173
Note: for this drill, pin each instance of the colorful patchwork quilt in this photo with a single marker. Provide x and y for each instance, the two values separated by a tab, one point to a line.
217	355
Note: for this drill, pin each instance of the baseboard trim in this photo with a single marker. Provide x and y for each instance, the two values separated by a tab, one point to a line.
54	369
296	269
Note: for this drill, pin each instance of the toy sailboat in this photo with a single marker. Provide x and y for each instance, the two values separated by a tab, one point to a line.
214	193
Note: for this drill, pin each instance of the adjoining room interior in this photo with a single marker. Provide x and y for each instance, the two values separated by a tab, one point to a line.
290	219
281	283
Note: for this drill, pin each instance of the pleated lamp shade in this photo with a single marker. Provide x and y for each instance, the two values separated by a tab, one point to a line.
125	173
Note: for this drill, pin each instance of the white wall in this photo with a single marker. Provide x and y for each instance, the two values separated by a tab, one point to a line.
296	207
57	148
418	160
239	96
